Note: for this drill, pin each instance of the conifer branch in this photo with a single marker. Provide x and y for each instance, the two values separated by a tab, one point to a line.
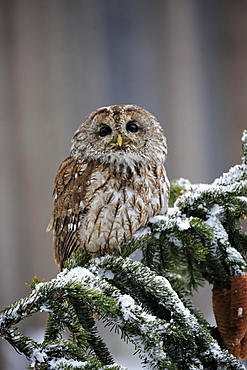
200	238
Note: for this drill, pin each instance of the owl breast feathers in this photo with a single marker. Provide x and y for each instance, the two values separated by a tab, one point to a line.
112	182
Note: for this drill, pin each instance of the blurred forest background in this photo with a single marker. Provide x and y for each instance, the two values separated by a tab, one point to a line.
183	60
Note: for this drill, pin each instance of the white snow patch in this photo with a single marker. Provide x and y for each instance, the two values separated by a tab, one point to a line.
184	183
38	355
244	137
199	188
109	275
242	198
78	273
142	232
162	281
234	174
157	218
175	241
127	304
63	361
216	209
44	308
183	224
240	311
233	254
157	235
173	211
106	274
215	350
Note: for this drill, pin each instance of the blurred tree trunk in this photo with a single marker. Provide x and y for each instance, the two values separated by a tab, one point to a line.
234	46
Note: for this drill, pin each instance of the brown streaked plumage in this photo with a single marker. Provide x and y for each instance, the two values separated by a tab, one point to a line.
112	182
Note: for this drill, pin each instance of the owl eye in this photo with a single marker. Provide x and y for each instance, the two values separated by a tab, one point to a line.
104	131
132	127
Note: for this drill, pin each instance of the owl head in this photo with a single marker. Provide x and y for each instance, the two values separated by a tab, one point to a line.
119	131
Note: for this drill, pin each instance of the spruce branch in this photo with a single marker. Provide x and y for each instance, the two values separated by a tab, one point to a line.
179	324
200	238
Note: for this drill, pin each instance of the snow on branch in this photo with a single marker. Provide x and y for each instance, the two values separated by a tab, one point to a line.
200	239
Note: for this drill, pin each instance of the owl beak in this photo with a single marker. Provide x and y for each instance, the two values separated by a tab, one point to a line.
119	140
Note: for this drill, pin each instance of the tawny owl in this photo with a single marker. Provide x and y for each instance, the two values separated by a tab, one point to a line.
112	182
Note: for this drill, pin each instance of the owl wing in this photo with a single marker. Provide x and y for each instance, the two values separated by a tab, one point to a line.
69	205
